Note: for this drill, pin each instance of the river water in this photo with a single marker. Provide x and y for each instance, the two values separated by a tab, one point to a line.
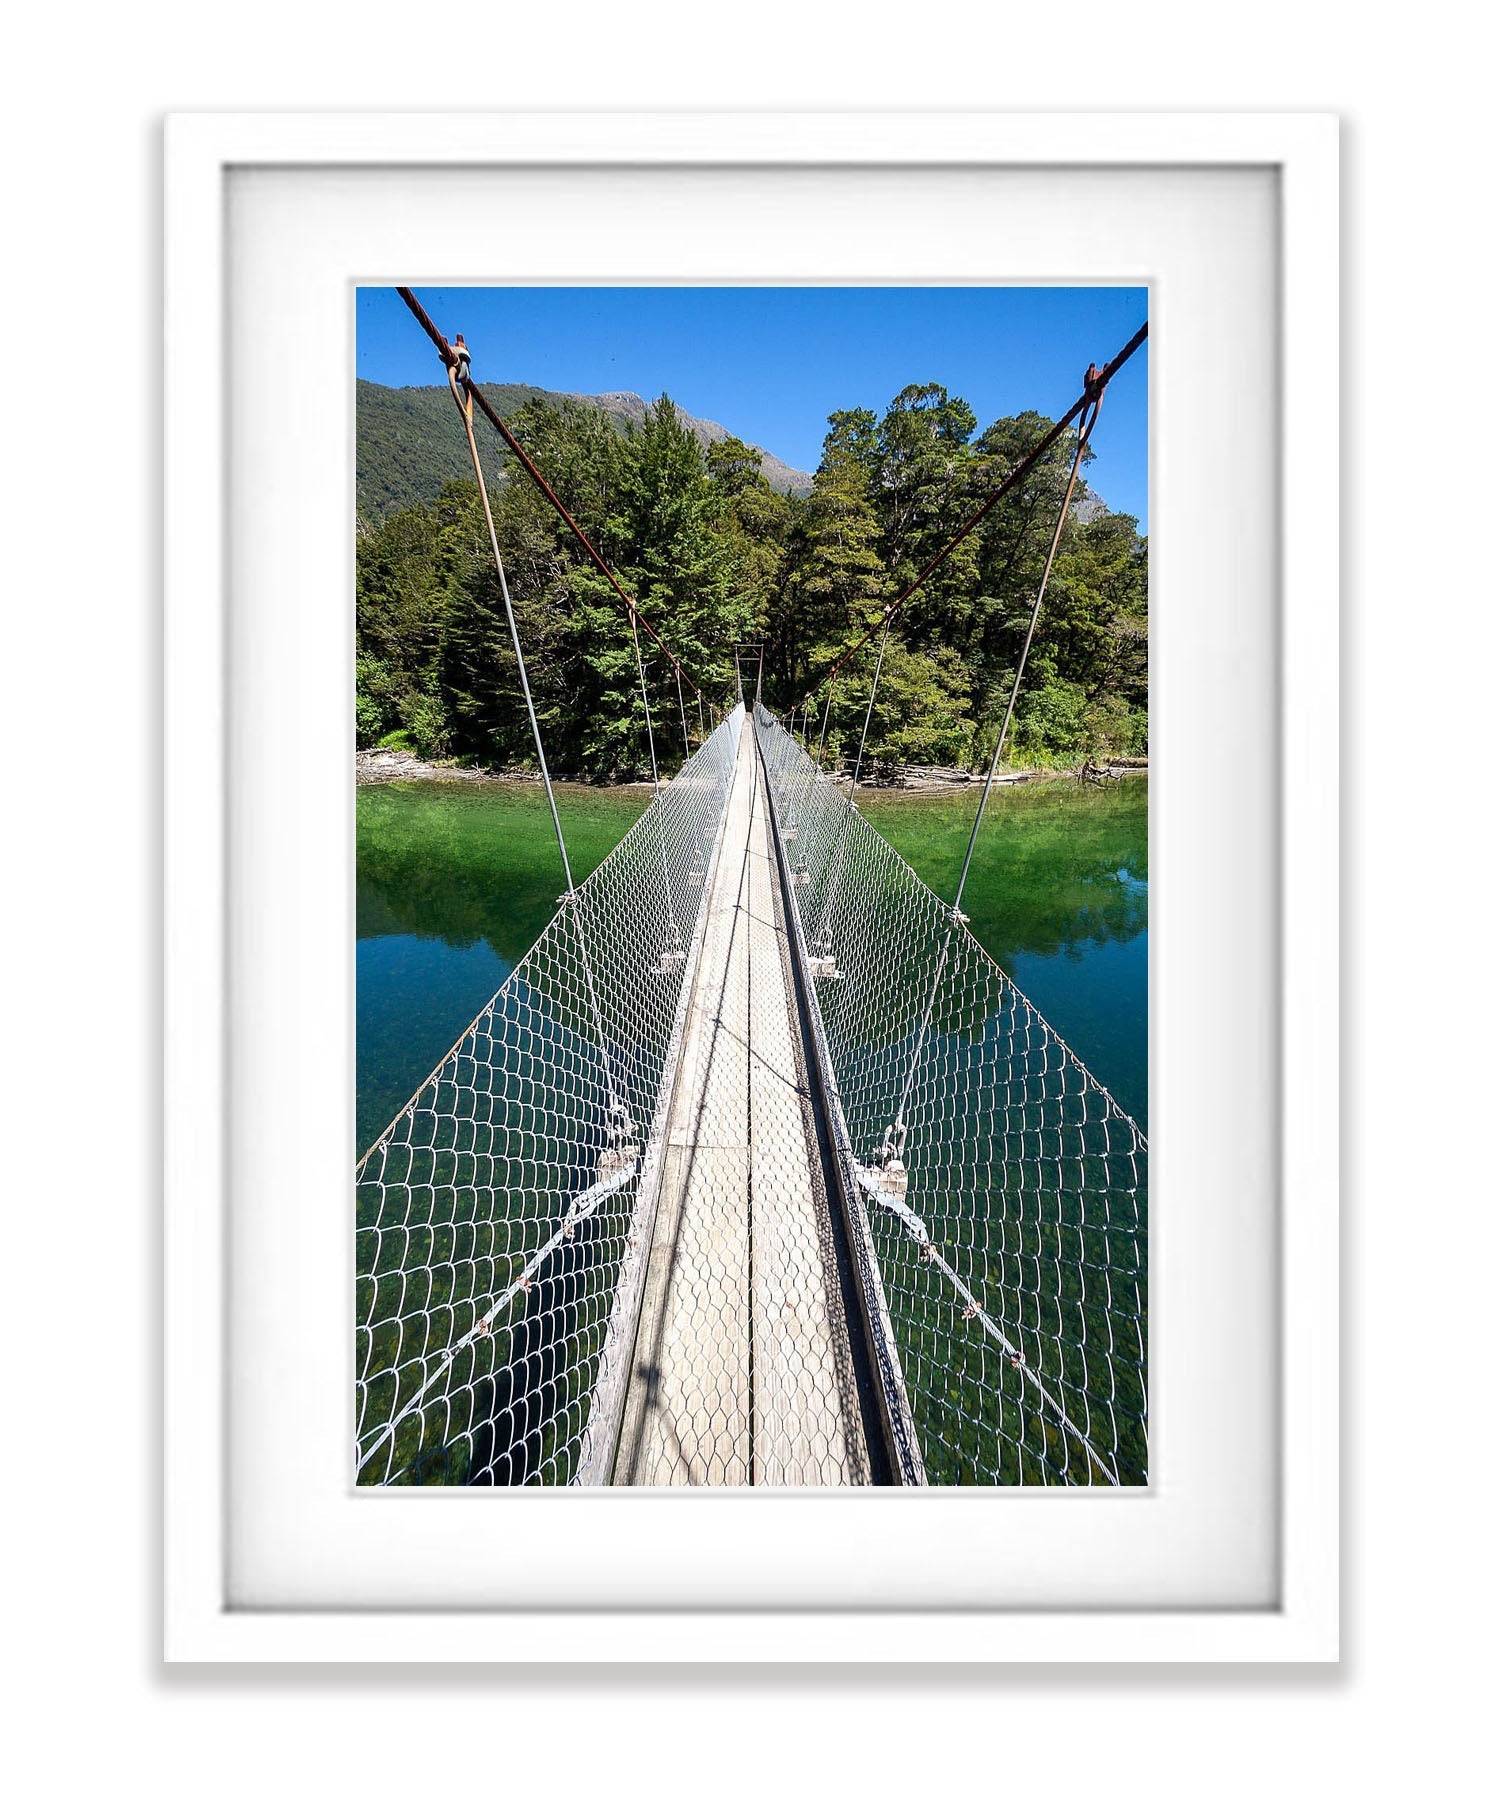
456	879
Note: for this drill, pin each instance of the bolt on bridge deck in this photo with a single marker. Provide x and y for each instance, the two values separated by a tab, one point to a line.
744	1371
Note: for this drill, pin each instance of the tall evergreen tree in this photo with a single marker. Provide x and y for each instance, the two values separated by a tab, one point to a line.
840	582
715	556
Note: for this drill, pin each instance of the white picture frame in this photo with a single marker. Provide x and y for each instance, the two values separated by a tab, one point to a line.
209	1509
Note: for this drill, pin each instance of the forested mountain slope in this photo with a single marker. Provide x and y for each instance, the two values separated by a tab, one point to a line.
715	553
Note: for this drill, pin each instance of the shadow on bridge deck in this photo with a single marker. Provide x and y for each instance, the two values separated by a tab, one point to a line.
745	1370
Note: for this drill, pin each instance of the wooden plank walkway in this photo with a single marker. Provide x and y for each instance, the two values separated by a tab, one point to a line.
743	1372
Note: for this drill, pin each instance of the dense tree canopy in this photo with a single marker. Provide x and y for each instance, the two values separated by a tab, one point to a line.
715	555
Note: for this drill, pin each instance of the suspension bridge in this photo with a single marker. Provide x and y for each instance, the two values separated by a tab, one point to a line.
757	1169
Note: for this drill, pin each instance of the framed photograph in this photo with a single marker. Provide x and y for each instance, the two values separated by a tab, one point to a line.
660	728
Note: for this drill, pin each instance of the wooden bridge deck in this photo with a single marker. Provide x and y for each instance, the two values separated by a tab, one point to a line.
743	1372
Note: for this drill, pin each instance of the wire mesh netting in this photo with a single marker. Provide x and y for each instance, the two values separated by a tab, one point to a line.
746	1372
499	1236
1004	1188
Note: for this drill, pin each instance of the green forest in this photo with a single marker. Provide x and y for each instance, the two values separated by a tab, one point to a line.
714	555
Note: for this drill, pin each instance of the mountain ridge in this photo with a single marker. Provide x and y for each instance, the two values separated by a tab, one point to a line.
406	450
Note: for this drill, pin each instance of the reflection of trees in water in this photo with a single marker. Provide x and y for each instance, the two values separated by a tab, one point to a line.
408	894
1057	869
470	865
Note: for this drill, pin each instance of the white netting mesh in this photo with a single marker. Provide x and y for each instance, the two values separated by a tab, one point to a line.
498	1242
1005	1190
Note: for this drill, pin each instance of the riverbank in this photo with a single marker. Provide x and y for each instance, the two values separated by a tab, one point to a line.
458	873
374	766
917	778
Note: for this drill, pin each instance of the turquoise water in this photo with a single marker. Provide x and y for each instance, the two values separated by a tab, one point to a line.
1058	896
456	880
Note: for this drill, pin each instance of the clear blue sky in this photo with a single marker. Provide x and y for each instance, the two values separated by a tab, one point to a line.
770	364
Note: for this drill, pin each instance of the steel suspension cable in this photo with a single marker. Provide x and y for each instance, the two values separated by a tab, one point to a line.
884	1185
827	709
871	1179
451	363
831	890
918	1230
869	711
640	670
1094	384
1085	427
462	396
673	948
682	710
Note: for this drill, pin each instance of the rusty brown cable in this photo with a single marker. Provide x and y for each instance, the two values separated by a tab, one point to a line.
450	362
1091	396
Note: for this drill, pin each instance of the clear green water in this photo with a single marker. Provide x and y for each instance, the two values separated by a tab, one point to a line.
456	879
454	882
1058	896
